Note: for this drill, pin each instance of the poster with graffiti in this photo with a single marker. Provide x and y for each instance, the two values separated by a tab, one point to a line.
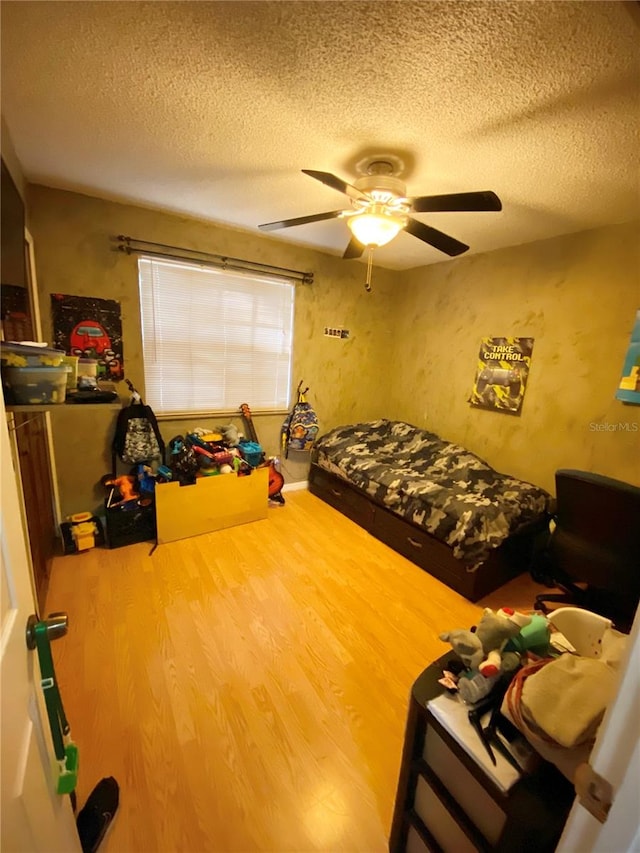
501	374
90	328
629	387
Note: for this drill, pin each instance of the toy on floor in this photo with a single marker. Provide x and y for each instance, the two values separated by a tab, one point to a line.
80	532
83	530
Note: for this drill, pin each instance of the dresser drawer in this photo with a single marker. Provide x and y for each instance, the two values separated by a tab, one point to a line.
448	801
481	809
442	825
415	844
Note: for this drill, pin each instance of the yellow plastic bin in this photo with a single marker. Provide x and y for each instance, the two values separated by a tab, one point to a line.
71	363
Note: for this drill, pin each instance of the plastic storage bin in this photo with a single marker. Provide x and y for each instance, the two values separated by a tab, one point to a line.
87	367
127	525
26	355
34	385
71	363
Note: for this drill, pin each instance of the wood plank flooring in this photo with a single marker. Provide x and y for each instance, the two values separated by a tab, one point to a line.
248	688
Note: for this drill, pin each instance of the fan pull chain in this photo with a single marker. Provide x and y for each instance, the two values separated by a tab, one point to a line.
367	284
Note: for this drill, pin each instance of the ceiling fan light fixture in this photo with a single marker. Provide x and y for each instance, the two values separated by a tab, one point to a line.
380	208
375	228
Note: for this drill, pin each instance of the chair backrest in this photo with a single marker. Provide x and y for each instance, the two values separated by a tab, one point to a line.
597	538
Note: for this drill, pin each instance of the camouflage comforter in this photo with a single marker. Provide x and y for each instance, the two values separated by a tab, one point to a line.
449	491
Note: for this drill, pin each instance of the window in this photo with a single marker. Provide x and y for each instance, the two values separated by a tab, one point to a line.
213	339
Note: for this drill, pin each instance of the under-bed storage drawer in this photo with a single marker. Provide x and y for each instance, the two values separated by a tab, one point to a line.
340	495
416	544
420	547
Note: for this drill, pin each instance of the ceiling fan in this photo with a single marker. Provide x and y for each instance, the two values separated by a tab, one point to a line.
380	209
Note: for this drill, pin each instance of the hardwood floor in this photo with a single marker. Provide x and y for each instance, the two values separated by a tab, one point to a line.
248	688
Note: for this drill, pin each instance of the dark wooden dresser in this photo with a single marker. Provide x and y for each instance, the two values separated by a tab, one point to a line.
447	802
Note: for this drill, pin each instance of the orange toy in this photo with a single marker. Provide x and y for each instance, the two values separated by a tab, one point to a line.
126	485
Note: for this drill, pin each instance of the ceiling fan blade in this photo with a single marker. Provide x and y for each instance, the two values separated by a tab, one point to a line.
353	250
475	202
448	245
300	220
335	183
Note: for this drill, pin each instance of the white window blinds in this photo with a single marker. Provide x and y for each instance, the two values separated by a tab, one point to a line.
213	339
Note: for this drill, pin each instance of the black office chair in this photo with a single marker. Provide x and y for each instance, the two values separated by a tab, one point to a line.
593	554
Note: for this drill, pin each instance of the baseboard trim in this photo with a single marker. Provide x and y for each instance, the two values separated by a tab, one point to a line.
296	487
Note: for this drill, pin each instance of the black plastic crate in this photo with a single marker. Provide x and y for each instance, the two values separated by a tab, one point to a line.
130	523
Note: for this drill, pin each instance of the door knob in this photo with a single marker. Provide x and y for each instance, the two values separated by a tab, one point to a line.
57	626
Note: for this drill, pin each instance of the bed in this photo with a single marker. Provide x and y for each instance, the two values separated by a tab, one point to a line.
432	501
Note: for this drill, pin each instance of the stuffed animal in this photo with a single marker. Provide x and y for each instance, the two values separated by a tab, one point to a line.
467	645
230	435
483	649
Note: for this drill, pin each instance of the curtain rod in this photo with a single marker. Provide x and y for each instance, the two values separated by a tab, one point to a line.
131	244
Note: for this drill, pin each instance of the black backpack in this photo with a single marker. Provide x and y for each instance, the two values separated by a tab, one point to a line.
137	437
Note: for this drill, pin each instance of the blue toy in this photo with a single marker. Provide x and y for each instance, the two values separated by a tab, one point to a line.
146	479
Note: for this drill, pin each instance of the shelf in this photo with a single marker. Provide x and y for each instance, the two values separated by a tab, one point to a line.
52	407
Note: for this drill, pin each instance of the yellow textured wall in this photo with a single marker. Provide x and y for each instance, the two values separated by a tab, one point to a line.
74	255
9	156
577	297
413	346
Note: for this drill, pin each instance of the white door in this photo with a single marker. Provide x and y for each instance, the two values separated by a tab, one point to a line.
34	819
615	757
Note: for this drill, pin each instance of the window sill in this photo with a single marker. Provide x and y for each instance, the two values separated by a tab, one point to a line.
226	413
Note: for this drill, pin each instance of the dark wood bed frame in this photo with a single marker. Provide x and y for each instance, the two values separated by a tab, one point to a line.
506	562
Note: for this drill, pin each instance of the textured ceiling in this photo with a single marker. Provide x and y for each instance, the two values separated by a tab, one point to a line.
212	109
